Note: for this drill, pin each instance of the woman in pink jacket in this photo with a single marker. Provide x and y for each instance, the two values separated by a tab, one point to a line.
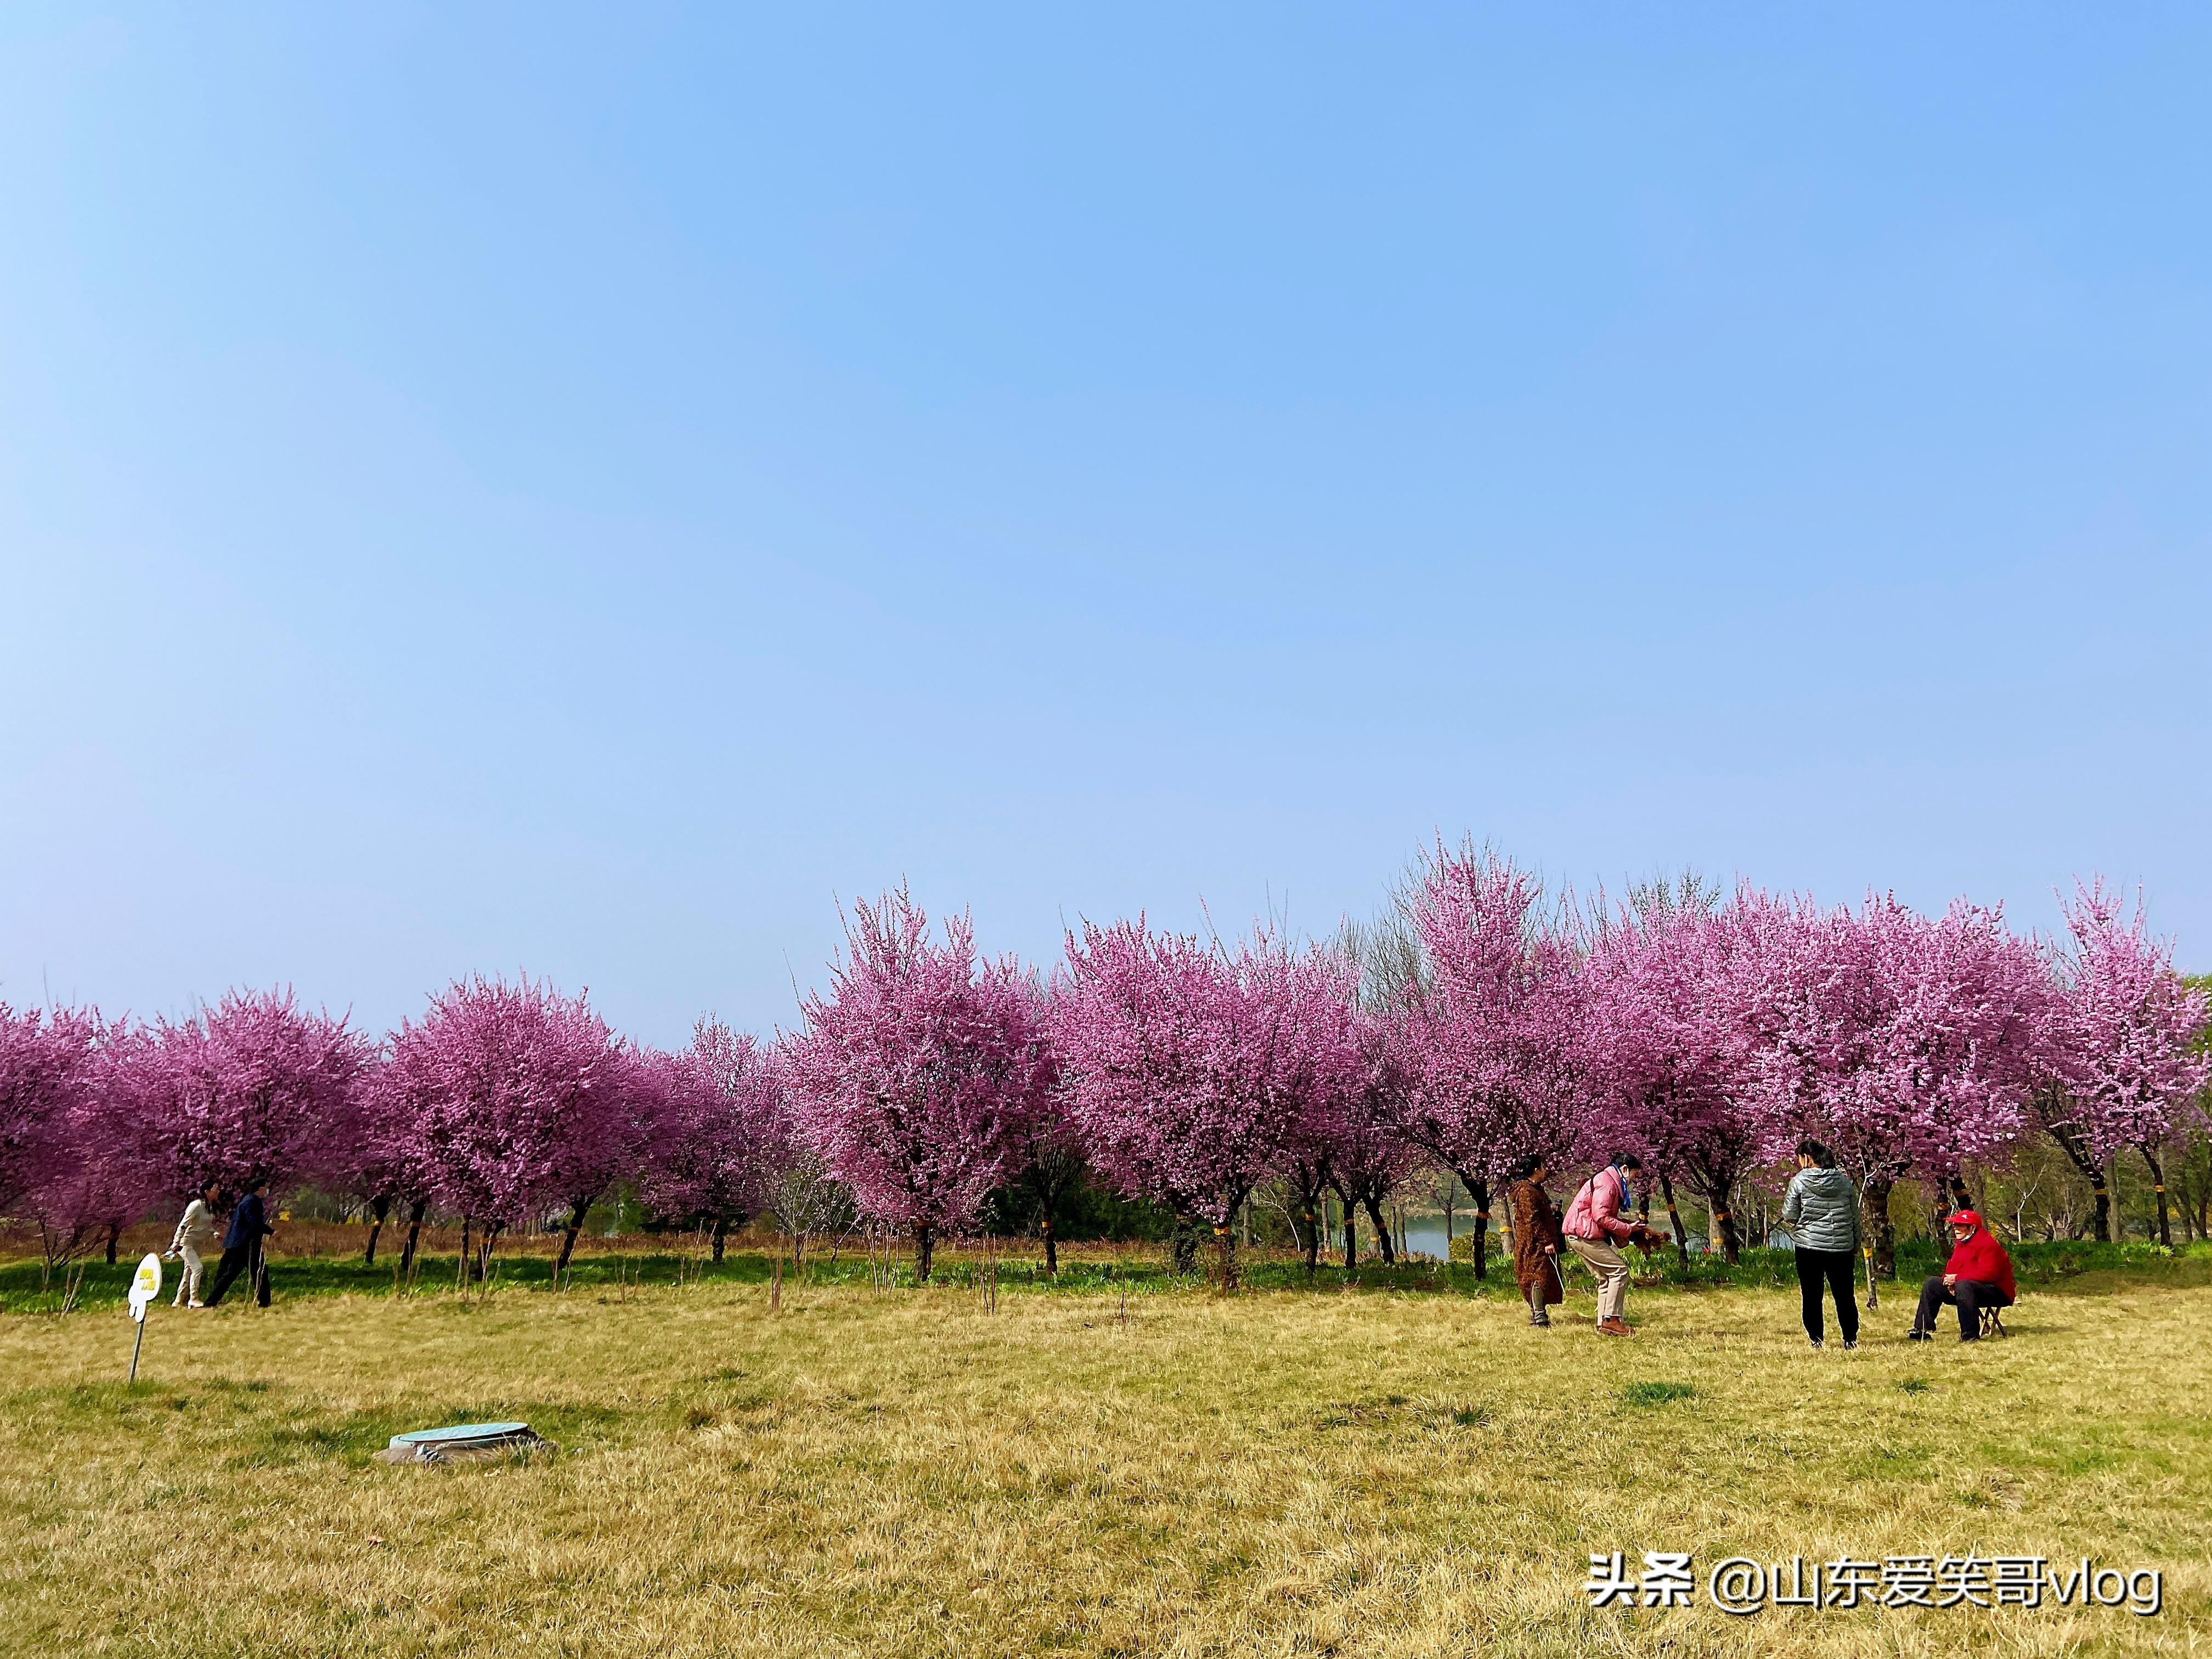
1597	1225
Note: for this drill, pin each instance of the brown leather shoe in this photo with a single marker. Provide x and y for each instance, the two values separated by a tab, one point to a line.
1614	1328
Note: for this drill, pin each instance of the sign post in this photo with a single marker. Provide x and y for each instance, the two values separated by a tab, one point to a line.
145	1286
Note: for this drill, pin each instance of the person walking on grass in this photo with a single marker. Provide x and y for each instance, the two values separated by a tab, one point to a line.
1820	1213
1537	1240
1596	1227
1978	1275
241	1245
195	1237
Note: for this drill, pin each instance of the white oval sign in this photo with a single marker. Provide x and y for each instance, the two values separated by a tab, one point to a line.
145	1285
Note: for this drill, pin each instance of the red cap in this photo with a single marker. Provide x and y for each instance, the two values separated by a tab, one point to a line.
1964	1218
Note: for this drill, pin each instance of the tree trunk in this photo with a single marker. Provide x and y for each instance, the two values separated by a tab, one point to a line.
1724	1223
1350	1237
378	1210
414	1232
1182	1247
1674	1220
1878	1227
114	1232
1480	1192
468	1234
1312	1242
925	1246
1382	1232
568	1236
721	1232
2078	1151
2158	1187
1225	1237
1051	1247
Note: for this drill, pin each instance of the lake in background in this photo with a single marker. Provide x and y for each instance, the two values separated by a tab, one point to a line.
1426	1236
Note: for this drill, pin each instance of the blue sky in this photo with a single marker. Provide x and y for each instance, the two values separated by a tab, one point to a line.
581	490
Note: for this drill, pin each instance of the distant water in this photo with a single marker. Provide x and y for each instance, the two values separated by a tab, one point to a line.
1427	1238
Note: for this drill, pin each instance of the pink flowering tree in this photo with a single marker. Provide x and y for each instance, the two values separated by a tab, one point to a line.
2123	1071
256	1087
1192	1066
71	1160
1307	1174
46	1072
1910	1044
1485	1006
1054	1164
520	1103
919	1079
722	1102
1344	1089
1366	1156
1672	988
376	1158
797	1187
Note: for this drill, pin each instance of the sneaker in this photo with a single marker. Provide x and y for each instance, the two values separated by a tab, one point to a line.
196	1305
1918	1336
1816	1342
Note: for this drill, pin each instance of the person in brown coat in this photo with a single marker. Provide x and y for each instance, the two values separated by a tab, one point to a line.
1536	1241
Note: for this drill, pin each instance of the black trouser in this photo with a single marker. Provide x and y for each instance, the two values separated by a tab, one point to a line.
236	1259
1832	1268
1971	1296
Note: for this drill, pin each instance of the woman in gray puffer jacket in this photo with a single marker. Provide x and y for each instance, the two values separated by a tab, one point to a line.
1821	1213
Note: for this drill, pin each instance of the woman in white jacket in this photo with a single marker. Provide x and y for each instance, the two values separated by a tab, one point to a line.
196	1234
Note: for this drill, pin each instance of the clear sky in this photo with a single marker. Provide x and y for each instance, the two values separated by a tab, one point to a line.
582	490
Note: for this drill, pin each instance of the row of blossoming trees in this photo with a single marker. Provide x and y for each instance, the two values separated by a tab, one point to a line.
1478	1022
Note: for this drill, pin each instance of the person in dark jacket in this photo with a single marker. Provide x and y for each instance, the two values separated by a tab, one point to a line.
1978	1275
241	1244
1820	1213
1537	1241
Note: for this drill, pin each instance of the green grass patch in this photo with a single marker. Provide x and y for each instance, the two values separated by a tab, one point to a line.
1656	1394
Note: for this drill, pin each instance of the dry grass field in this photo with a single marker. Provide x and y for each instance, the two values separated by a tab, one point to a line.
912	1473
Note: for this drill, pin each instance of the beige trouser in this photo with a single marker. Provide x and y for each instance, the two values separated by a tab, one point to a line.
188	1281
1611	1270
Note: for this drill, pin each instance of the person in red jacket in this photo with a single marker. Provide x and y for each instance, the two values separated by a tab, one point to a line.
1978	1275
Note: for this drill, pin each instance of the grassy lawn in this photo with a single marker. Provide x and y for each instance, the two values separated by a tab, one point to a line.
1359	1470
